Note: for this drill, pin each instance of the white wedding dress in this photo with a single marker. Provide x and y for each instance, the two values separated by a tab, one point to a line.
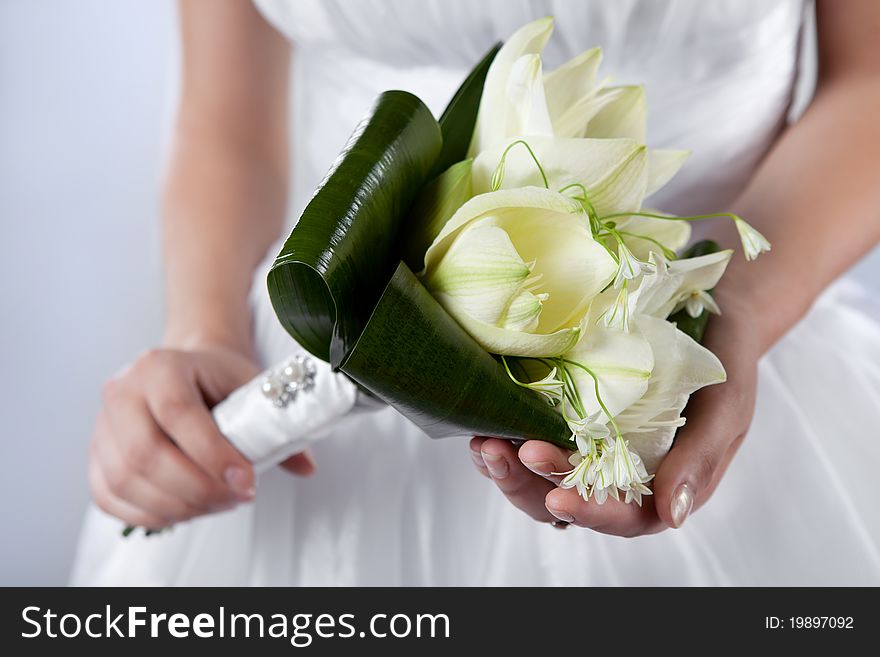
390	506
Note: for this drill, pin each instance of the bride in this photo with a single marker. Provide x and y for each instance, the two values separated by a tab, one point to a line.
378	503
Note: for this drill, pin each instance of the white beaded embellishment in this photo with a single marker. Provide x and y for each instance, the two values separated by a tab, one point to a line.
282	385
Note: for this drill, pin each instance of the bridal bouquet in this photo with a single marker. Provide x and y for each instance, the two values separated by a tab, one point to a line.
495	272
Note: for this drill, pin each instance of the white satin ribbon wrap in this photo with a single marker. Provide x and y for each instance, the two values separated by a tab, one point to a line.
268	434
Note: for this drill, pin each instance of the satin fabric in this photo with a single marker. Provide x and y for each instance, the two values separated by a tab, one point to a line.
389	506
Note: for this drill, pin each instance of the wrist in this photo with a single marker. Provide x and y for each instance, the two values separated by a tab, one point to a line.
203	338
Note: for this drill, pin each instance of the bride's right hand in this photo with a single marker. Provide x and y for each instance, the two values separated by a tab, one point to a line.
156	455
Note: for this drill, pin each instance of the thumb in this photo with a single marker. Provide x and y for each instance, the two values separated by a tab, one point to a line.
219	371
703	448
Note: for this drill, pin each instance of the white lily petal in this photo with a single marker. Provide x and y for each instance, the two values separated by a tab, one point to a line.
624	116
622	362
571	82
663	164
494	103
480	273
546	231
681	366
505	342
522	313
527	113
614	171
497	203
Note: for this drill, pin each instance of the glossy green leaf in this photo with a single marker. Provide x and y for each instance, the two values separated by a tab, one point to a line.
458	119
340	289
332	269
414	356
695	326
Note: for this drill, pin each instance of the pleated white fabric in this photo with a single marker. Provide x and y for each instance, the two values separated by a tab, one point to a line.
392	507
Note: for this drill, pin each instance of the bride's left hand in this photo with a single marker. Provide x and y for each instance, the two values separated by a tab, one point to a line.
717	420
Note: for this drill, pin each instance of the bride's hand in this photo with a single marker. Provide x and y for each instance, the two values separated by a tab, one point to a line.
156	455
717	420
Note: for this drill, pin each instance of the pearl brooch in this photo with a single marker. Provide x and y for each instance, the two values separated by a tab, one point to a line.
282	385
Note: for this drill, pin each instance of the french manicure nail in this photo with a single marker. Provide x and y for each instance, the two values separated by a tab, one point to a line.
238	481
562	515
497	465
682	503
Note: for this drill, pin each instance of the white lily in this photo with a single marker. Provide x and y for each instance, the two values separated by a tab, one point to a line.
622	364
754	244
613	171
496	112
567	104
680	367
518	270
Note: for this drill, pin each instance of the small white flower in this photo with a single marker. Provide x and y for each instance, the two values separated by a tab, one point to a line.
753	242
629	267
588	428
590	475
695	302
617	316
549	386
635	491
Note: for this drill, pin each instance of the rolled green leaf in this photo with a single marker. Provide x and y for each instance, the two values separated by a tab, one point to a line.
695	326
332	269
415	357
340	289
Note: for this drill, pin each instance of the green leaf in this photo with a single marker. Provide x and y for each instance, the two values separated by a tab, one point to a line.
458	119
340	289
434	206
695	326
332	269
414	356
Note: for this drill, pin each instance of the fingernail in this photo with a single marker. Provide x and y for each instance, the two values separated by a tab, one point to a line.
682	503
542	468
497	465
477	458
238	480
562	515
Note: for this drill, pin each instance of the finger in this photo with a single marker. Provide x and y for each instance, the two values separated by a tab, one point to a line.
177	405
521	486
691	470
613	517
477	455
128	485
147	451
109	503
302	464
545	459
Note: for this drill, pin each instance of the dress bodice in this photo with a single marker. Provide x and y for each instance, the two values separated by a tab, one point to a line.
719	74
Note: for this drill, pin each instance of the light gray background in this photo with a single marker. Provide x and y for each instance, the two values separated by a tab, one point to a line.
86	91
